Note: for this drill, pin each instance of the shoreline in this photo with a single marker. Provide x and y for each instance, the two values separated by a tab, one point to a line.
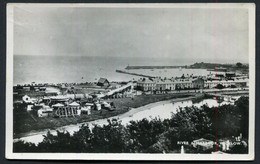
104	120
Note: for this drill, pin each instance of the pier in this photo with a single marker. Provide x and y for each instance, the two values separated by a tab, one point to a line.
136	74
154	67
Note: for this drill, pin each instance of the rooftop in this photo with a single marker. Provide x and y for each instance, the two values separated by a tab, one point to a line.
74	104
58	105
102	80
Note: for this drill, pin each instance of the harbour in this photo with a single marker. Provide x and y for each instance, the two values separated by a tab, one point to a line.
130	80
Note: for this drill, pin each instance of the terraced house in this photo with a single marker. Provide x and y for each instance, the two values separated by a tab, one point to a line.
158	84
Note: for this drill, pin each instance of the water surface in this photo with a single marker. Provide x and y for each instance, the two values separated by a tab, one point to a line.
57	69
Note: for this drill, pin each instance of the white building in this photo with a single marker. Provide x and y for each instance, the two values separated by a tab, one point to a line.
146	84
225	83
158	84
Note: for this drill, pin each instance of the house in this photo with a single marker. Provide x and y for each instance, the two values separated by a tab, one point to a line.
89	105
184	84
56	106
146	84
58	99
26	88
114	85
79	96
105	105
225	83
86	110
220	69
198	83
230	74
42	113
45	111
29	107
97	106
220	75
74	105
42	88
103	82
67	111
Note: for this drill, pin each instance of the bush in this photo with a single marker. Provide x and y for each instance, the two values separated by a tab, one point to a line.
219	86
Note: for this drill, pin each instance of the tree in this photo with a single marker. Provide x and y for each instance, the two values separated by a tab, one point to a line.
239	65
62	142
153	135
219	86
21	146
191	123
109	138
82	139
242	109
233	86
145	133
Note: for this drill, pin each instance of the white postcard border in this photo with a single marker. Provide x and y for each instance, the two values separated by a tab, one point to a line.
125	156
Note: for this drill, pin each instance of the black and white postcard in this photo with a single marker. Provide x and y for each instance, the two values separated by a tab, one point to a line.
130	81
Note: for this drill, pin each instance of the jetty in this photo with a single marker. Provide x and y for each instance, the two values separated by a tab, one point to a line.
136	74
154	67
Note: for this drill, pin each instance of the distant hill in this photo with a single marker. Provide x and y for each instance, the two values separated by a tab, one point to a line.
210	66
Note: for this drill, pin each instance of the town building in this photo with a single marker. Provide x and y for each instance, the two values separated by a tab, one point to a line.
45	111
103	82
165	85
230	75
58	99
225	83
162	85
184	84
146	84
67	111
198	83
222	69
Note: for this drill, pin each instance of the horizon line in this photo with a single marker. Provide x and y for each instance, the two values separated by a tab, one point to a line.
199	60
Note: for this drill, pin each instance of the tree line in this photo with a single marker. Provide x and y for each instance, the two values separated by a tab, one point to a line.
151	136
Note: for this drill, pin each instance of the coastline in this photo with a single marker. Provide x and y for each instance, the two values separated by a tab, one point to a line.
74	127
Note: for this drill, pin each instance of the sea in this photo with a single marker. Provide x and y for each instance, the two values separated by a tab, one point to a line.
78	69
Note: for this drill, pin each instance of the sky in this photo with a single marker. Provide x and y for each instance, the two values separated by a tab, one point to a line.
133	32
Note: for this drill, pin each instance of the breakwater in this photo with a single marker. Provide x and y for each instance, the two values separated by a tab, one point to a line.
136	74
154	67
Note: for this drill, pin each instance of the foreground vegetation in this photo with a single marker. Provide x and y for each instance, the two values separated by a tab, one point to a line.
154	136
28	121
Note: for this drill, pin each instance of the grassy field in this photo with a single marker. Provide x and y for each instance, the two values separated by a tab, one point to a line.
142	100
25	121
